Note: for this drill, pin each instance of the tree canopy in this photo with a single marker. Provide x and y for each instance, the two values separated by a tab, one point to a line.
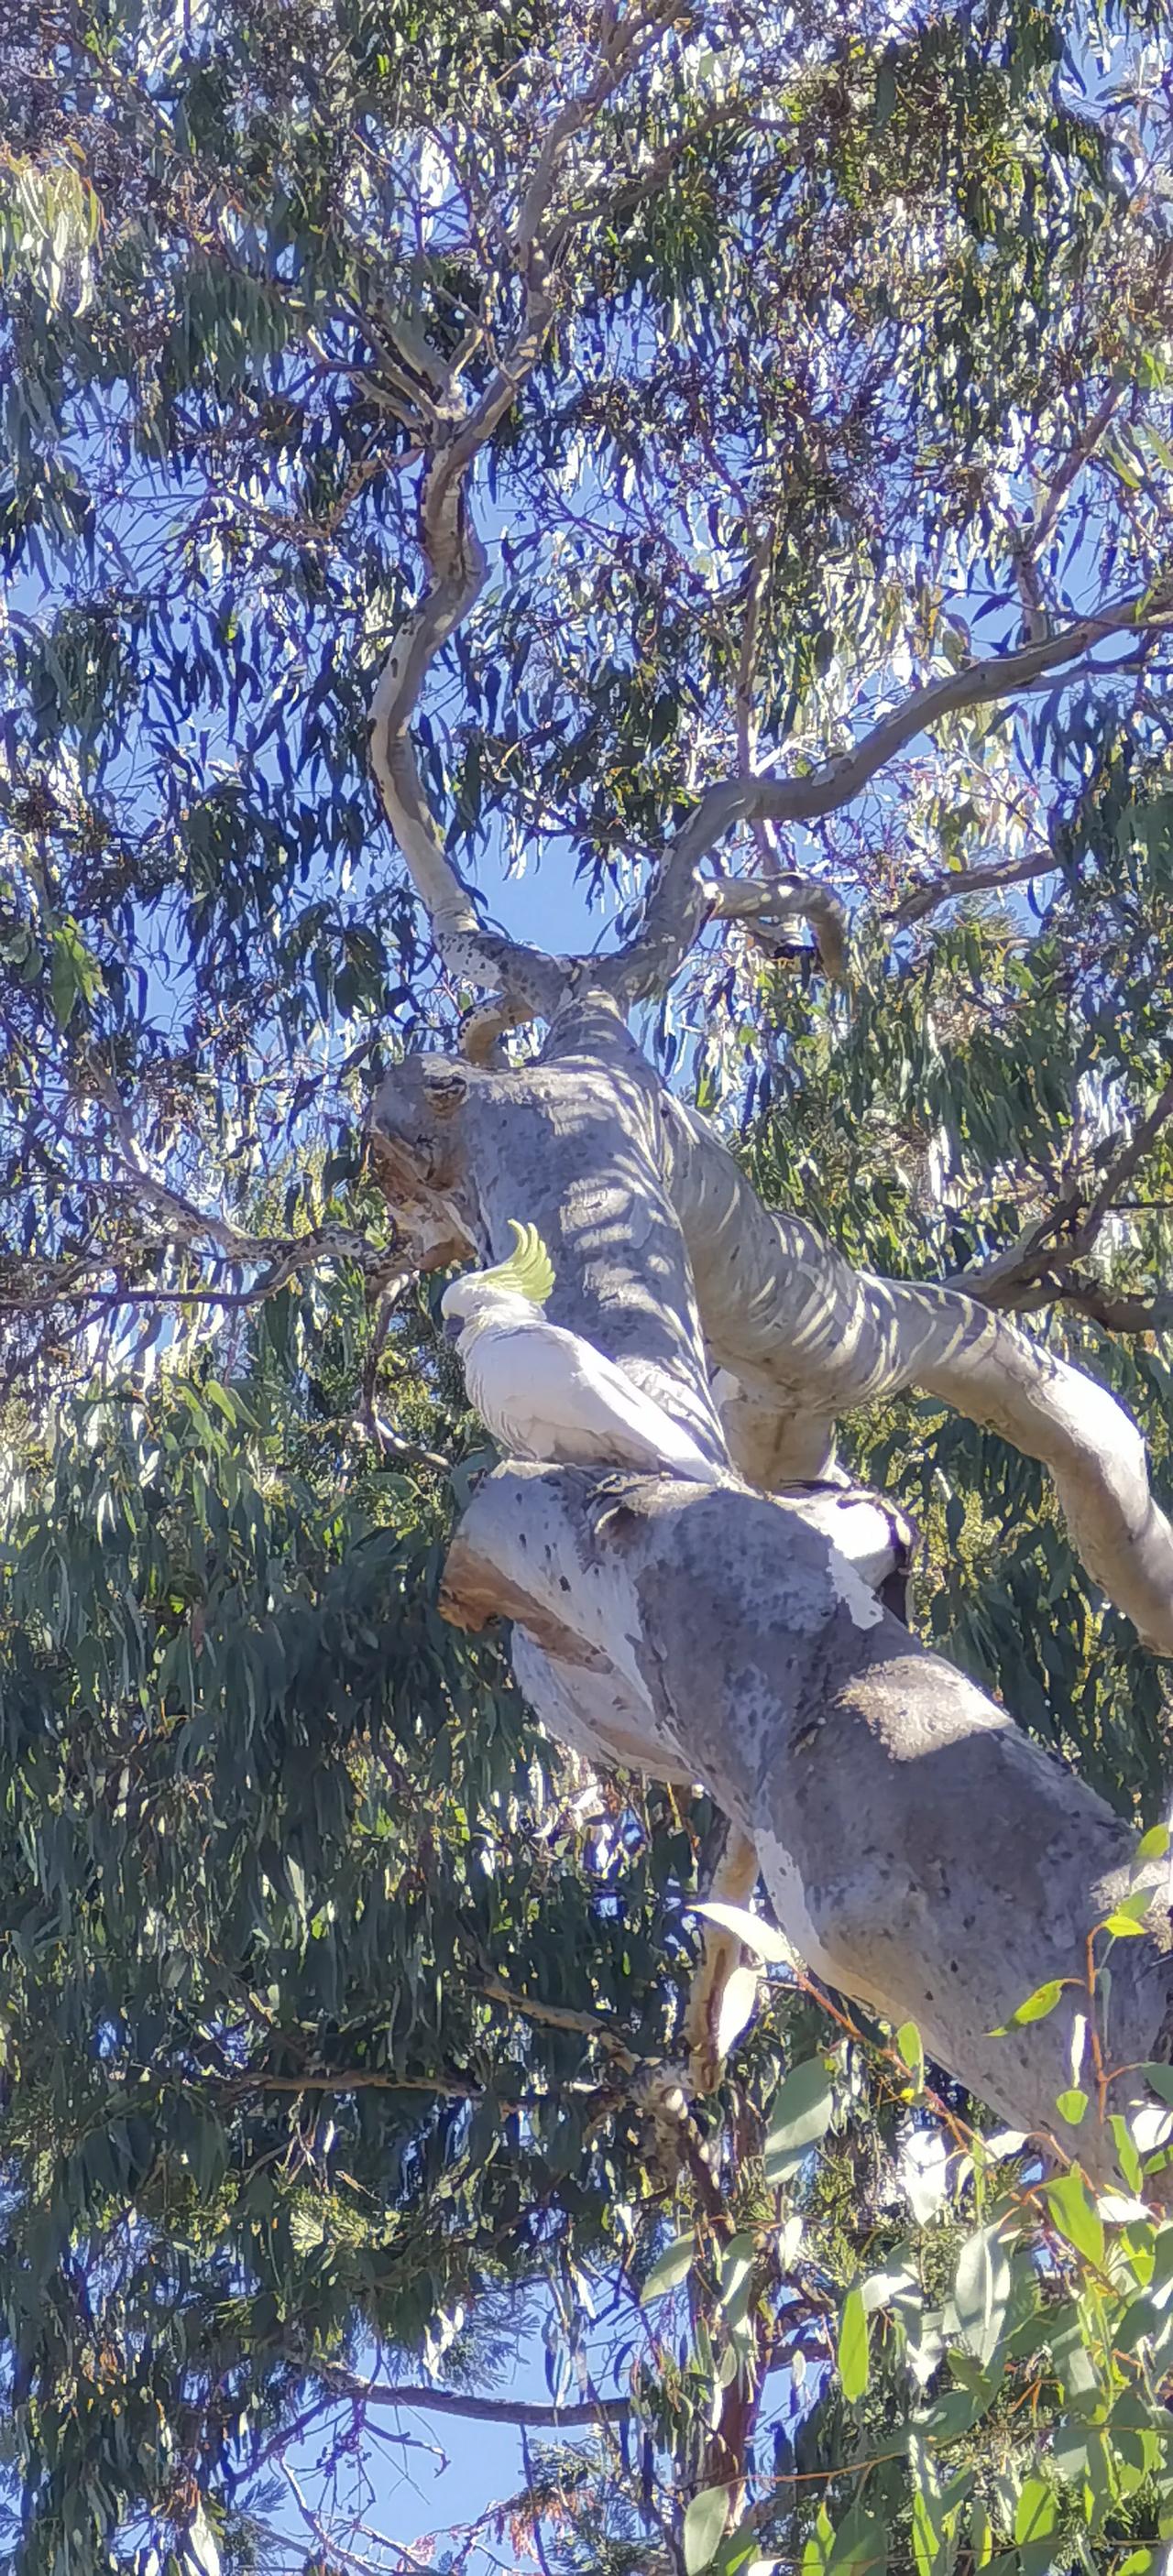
715	440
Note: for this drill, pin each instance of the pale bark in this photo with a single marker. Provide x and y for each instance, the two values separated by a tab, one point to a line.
858	1763
664	1255
797	1326
576	1147
921	1853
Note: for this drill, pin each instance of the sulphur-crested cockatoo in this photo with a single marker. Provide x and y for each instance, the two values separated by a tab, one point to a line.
547	1394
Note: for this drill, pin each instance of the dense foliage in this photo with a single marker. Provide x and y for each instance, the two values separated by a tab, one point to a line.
335	2006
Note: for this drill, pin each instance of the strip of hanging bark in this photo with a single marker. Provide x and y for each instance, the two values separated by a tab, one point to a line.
922	1855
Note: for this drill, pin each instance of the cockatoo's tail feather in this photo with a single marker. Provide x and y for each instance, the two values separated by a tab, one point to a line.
529	1272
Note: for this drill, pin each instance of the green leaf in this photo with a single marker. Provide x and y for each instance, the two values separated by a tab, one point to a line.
762	1938
818	2545
981	2293
1071	2105
799	2117
854	2350
981	2537
958	2412
1124	1927
704	2529
1068	2454
1153	1846
736	2270
1036	2512
1159	2080
912	2050
860	2546
1075	2216
64	982
1035	2008
669	2269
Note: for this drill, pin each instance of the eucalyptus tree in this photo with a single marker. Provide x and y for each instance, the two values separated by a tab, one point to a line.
727	460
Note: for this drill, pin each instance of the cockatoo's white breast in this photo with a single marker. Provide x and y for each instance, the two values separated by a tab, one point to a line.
549	1395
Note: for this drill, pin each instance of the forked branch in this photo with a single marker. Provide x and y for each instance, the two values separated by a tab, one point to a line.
453	435
680	903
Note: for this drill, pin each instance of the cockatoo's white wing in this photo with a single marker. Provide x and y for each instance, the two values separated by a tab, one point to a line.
547	1394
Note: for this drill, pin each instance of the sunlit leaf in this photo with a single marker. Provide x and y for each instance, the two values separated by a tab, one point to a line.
704	2525
854	2347
670	2268
1035	2008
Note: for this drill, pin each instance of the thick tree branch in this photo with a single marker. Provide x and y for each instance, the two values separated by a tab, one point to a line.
805	1336
791	1320
738	1640
858	1762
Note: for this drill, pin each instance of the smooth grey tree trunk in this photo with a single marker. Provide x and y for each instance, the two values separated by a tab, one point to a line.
920	1852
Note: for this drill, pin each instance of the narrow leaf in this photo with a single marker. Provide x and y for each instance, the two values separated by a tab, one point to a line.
912	2050
669	2269
854	2353
1075	2217
800	2115
981	2293
1036	2007
762	1938
1036	2512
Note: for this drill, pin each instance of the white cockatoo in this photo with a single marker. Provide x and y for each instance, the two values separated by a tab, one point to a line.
547	1394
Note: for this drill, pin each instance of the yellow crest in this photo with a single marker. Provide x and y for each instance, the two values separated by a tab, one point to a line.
529	1272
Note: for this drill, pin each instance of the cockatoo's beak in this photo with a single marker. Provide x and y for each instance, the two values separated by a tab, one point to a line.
453	1327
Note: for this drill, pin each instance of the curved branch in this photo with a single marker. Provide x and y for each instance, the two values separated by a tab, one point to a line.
1114	1314
456	564
772	907
958	882
789	1318
677	906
